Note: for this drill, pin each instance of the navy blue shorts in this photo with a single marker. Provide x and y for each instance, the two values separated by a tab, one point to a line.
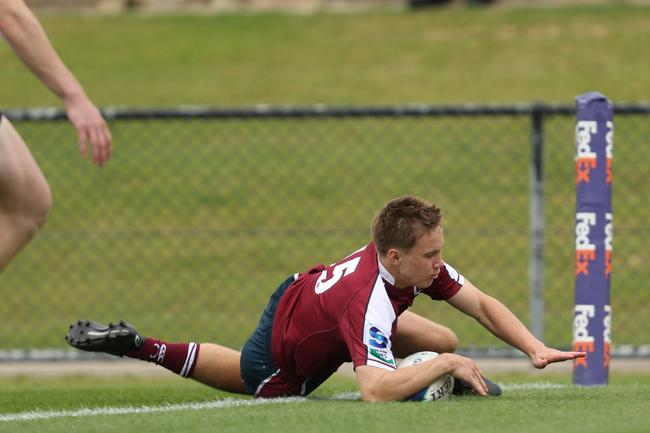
258	370
256	362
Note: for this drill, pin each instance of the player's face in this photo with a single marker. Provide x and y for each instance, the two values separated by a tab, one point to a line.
419	266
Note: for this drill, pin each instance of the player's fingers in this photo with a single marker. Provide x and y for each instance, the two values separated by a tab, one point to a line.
481	379
570	355
82	136
108	140
477	381
563	356
101	144
480	372
479	384
104	143
95	139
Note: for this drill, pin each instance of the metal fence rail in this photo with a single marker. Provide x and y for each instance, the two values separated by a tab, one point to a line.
203	211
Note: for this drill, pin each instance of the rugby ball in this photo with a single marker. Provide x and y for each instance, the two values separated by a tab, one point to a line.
439	390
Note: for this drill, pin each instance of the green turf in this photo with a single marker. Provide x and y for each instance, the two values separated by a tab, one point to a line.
438	55
620	406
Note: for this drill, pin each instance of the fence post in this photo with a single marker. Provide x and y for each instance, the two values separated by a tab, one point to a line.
537	222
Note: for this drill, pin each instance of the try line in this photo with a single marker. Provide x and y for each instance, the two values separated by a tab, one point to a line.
214	404
110	410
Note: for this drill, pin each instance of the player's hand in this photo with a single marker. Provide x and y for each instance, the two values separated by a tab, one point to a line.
91	129
545	356
466	369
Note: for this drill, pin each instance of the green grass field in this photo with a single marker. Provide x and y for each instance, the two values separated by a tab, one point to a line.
172	227
79	404
188	218
440	55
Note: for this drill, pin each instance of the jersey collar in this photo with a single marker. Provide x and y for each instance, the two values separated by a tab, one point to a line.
383	272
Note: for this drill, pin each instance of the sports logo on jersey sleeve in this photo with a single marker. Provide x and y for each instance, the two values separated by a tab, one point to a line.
378	343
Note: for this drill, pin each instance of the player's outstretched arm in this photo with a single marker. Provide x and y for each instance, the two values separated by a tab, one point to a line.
377	384
26	36
499	320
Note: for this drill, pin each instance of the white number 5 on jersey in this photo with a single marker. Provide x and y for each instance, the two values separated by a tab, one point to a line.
339	271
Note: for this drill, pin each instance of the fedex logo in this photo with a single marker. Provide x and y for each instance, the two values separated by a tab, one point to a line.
609	148
582	341
585	250
607	334
609	234
585	158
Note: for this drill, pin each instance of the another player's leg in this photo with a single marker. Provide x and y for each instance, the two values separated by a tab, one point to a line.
416	334
25	196
210	364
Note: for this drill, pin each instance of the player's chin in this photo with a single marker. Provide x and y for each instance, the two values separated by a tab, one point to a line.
425	284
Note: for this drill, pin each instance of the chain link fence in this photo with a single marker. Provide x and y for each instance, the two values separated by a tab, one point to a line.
203	212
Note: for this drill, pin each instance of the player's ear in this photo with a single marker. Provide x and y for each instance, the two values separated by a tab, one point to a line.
394	256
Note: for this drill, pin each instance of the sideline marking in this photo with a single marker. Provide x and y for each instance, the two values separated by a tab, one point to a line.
111	410
217	404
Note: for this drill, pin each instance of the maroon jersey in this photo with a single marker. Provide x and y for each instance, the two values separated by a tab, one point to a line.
345	312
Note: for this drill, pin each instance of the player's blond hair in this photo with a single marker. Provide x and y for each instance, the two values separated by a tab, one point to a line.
402	221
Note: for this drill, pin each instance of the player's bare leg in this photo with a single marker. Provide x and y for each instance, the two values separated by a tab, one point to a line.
218	367
25	196
416	334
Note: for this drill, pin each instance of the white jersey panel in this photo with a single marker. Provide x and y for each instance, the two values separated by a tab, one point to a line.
377	327
454	275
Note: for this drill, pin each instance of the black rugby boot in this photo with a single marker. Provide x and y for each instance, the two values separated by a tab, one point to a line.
94	337
464	388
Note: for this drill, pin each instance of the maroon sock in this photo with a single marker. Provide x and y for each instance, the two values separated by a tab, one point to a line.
178	357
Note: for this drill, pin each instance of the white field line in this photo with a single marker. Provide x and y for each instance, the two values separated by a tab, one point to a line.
350	395
216	404
109	410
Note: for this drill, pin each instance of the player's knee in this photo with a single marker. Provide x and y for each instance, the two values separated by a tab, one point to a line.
448	341
34	214
41	205
28	225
